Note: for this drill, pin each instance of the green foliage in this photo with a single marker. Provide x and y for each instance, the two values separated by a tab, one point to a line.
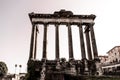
3	69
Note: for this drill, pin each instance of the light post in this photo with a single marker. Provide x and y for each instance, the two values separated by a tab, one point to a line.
15	68
20	66
17	73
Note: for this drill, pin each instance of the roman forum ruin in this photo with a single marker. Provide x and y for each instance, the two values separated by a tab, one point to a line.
45	68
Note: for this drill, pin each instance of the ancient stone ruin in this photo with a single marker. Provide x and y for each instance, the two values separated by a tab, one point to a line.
45	69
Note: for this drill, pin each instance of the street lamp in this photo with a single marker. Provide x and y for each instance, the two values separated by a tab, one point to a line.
15	68
20	66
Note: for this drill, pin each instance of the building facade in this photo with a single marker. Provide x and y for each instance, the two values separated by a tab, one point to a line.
111	63
114	54
103	59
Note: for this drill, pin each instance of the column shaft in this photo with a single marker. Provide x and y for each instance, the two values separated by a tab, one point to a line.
94	47
88	44
31	55
36	33
70	42
57	41
82	42
45	42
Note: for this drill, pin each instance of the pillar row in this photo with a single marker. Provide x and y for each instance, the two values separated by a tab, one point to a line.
83	54
70	43
88	43
93	41
33	43
45	42
57	41
36	34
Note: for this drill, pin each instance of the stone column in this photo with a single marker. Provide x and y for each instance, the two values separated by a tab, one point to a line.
45	42
31	55
93	41
57	41
88	43
70	42
82	42
36	33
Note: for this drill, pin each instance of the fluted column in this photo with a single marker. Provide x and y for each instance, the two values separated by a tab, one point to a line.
82	42
57	41
93	41
45	42
31	55
70	44
88	43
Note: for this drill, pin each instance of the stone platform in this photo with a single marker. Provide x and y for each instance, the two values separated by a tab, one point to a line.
56	70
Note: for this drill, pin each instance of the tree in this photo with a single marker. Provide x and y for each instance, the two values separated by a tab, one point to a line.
3	69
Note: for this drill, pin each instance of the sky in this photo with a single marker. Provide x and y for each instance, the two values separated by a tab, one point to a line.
15	28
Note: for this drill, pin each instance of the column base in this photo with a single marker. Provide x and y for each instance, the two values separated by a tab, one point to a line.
58	66
96	59
98	66
43	59
71	59
57	59
86	69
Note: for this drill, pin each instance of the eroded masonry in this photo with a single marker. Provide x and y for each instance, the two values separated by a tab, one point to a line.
48	69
